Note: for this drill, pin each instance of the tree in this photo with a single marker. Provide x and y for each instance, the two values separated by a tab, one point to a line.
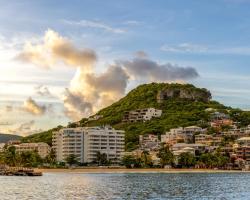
211	160
71	159
146	160
10	156
51	157
128	161
166	156
29	159
186	160
101	158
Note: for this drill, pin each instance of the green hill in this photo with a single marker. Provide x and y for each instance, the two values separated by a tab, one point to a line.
7	137
182	105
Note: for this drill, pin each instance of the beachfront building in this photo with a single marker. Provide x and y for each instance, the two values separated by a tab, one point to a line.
141	115
43	149
85	142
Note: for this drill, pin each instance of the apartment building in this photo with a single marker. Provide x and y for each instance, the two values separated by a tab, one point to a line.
207	139
243	152
149	142
85	142
244	141
180	135
43	149
141	115
189	147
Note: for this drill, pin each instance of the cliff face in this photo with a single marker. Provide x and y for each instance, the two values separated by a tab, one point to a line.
184	93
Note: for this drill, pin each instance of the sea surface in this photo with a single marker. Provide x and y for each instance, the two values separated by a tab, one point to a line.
69	186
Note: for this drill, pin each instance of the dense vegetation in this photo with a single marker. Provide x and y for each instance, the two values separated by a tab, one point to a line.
9	156
176	112
45	136
7	137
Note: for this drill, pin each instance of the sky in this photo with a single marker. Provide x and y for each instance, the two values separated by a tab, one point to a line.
64	60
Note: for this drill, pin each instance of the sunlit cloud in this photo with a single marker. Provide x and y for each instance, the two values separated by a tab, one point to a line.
33	108
89	91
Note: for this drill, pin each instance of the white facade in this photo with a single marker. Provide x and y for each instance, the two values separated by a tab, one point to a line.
2	147
142	115
41	148
244	141
85	142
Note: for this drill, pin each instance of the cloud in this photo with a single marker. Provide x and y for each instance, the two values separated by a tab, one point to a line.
189	48
33	108
25	129
75	105
185	48
141	54
43	91
132	22
153	71
5	123
8	108
89	91
54	48
94	24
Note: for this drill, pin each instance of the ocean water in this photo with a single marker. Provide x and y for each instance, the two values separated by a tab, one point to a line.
60	186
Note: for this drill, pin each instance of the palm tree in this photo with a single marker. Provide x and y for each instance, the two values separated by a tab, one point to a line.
101	158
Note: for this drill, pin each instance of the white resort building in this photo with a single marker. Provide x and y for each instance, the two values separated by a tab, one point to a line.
141	115
85	142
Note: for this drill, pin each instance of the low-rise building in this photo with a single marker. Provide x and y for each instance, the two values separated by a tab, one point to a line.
2	145
244	141
41	148
243	152
95	117
183	146
207	139
181	135
85	142
141	115
149	142
184	150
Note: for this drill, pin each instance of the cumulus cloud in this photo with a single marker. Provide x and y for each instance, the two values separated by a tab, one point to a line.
56	48
75	105
43	91
34	108
89	91
153	71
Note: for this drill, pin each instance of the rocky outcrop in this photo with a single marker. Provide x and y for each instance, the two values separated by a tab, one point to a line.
184	93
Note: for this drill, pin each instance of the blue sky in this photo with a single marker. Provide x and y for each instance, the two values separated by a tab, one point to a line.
213	37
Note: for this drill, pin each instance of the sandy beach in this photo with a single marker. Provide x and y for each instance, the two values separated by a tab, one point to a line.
115	170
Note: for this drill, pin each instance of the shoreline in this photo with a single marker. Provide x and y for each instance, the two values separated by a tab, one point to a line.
124	171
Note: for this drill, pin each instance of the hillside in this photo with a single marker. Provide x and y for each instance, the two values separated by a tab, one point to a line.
182	105
7	137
